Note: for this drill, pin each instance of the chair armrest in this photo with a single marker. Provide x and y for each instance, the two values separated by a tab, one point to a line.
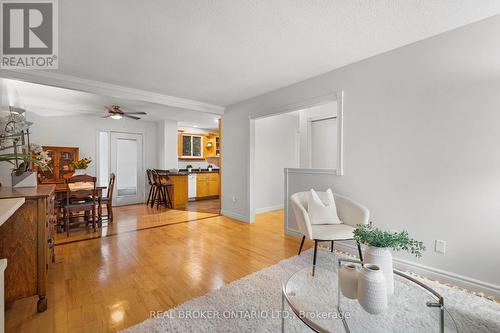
351	212
302	219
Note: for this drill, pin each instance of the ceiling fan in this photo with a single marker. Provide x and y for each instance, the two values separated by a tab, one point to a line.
116	113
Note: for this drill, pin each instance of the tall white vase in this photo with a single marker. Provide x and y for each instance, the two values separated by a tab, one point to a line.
382	257
372	294
348	280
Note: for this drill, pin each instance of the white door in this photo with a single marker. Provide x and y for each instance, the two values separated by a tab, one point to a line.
324	143
127	164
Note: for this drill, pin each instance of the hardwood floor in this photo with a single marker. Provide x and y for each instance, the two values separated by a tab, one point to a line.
132	218
206	206
107	284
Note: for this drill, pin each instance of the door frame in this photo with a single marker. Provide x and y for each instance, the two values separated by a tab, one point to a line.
335	96
109	131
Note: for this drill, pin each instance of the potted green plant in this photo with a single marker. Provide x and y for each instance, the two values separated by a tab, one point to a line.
16	149
380	242
80	166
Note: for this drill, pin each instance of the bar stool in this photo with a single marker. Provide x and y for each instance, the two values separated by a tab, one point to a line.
161	190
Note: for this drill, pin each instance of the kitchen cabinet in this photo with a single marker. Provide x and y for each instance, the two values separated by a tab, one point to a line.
190	146
207	184
212	145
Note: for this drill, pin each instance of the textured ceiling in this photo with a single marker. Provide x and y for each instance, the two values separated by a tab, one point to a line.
224	51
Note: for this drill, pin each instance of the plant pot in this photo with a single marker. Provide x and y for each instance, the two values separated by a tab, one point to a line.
79	172
372	293
348	281
25	179
382	257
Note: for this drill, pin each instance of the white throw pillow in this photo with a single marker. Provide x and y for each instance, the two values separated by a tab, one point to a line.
322	212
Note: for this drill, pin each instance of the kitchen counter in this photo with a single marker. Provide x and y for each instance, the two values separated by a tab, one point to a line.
199	171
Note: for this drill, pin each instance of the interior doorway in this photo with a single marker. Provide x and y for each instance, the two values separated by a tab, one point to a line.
122	154
307	135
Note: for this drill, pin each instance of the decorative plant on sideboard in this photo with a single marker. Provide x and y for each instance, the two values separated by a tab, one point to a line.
379	242
81	165
16	148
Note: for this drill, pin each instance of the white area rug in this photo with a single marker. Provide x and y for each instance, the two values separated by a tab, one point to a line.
252	304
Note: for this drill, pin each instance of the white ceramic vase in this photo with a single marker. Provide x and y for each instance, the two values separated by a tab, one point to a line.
79	172
372	294
348	280
382	257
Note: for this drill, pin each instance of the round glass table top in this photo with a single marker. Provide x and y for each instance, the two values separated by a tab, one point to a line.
315	301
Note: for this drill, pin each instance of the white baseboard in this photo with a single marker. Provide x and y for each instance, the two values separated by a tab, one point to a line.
268	209
236	216
433	273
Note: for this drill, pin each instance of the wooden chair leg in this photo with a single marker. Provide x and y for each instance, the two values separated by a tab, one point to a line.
109	209
301	244
149	195
360	252
153	197
94	224
331	247
66	222
168	201
315	252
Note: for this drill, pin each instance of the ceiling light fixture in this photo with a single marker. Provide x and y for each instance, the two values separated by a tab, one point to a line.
116	116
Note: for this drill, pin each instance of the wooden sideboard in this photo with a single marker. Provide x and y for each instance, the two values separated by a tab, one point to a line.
26	240
59	167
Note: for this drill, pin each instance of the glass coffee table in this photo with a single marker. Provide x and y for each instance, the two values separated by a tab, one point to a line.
317	303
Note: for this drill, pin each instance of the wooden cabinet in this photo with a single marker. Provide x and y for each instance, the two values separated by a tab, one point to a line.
179	194
197	146
60	168
26	240
212	145
207	184
190	146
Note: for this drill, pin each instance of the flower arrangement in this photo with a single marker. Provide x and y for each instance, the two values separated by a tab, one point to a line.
398	241
81	164
15	146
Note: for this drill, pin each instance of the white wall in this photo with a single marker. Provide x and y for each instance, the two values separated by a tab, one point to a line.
421	138
276	148
167	144
81	131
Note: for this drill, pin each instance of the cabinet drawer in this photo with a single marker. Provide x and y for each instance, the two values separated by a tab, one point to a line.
202	177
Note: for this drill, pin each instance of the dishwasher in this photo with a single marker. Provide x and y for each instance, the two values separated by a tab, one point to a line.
192	185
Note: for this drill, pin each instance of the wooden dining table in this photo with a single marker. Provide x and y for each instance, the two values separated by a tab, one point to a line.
62	191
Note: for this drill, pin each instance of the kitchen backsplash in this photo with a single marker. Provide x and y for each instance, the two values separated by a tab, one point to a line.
196	164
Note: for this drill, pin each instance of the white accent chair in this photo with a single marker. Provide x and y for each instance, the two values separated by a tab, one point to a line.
349	212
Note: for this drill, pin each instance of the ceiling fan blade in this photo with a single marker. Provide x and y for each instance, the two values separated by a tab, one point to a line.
140	112
108	108
133	117
106	116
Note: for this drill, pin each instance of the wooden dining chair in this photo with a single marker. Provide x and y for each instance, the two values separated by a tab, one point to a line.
108	200
80	199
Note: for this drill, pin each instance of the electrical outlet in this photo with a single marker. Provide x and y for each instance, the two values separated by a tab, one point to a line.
234	199
440	246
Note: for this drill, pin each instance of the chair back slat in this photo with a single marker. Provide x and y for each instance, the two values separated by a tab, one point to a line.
111	186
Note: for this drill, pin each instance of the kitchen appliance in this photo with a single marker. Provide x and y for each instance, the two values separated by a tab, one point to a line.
192	186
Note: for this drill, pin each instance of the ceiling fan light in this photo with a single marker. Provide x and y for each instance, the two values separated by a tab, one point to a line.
116	116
